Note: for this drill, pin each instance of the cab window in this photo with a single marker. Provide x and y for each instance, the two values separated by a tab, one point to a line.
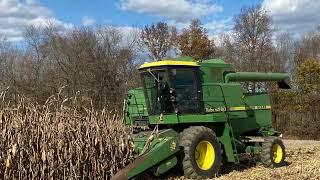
186	87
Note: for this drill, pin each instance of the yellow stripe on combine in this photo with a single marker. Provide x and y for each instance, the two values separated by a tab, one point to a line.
243	108
168	63
238	108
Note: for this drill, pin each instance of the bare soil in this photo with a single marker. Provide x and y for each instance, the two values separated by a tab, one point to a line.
294	144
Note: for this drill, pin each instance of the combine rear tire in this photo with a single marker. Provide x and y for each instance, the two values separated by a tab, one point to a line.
273	152
202	153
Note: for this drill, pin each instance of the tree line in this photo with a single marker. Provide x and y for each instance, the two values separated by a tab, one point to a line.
99	64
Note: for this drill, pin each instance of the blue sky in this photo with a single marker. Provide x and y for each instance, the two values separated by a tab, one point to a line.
294	16
103	11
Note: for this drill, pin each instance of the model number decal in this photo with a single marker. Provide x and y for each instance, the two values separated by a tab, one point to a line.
220	109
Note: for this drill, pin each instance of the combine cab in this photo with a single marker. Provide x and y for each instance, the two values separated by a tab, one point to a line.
197	115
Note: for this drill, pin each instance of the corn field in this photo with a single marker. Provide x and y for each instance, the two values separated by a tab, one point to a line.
61	140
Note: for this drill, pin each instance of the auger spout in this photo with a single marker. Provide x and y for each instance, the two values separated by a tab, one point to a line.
280	78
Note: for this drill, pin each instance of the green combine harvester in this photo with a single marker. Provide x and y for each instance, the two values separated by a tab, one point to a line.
196	116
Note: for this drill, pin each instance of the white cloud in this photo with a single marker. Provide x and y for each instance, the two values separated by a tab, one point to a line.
294	16
178	10
178	25
216	28
125	30
88	21
16	15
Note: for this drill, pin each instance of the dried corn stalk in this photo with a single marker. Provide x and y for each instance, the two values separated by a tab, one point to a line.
61	140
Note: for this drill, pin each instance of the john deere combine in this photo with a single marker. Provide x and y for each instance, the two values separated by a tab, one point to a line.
196	115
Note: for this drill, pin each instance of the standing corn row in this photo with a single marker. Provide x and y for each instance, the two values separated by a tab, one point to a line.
61	140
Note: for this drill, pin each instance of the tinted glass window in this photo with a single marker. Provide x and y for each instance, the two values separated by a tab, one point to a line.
186	89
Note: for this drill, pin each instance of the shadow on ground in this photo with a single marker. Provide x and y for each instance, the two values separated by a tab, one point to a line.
246	162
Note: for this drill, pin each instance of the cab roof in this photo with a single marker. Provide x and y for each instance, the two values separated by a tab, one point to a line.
169	63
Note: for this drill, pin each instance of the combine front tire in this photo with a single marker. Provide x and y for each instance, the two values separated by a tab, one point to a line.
202	153
273	152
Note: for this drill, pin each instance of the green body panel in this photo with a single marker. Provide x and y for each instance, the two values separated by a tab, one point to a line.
224	107
257	114
135	106
212	70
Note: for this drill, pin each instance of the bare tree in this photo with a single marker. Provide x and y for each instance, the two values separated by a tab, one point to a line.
252	35
97	63
283	55
228	48
159	39
307	47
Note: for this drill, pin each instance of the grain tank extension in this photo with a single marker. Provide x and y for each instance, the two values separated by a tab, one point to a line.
196	115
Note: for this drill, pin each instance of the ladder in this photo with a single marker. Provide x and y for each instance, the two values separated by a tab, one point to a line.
233	143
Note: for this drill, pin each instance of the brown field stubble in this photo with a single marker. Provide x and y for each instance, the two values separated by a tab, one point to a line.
302	163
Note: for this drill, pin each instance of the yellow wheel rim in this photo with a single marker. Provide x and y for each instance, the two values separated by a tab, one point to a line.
205	155
277	153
